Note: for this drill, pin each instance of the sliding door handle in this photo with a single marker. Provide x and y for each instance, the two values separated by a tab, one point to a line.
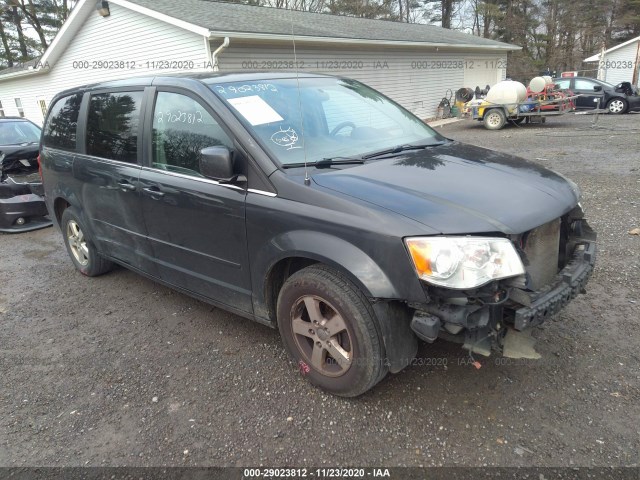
153	192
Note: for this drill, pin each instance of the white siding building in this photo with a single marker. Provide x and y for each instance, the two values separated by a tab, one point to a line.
619	63
413	64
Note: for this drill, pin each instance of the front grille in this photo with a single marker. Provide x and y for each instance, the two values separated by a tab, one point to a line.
541	249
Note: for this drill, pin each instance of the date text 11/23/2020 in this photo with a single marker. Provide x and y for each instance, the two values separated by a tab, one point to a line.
325	472
279	64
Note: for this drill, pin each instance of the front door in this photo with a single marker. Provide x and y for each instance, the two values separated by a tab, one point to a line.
589	97
196	226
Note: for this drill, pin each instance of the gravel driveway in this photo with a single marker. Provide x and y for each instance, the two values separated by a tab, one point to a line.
118	370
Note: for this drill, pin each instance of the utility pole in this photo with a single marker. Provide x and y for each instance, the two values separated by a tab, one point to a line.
634	80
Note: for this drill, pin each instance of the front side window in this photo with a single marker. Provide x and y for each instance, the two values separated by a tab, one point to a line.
322	118
582	84
113	124
181	129
60	127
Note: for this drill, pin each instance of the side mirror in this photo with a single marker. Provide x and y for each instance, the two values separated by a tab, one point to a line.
597	88
216	163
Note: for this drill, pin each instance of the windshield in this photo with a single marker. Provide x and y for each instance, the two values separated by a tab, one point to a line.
16	133
324	118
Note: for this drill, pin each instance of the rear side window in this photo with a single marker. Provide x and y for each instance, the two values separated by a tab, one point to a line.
113	124
60	129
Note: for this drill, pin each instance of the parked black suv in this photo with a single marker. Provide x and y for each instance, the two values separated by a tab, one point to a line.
318	206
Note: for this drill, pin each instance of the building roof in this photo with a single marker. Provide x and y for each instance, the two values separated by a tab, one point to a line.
228	18
596	57
215	19
20	66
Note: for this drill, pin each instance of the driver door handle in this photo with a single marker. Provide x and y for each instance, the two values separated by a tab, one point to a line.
126	186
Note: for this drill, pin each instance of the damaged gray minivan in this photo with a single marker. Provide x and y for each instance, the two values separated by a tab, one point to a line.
318	206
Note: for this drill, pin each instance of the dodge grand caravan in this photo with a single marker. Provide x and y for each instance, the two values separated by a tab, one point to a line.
317	206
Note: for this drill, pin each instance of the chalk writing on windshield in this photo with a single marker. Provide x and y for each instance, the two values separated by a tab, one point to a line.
286	138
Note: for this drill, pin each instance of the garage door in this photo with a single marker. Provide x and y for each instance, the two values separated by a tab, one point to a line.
480	72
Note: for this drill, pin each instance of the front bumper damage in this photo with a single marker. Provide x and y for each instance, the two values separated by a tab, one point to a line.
498	317
22	206
571	281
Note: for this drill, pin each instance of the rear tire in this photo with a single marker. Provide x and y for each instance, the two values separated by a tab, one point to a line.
80	246
617	106
494	119
330	330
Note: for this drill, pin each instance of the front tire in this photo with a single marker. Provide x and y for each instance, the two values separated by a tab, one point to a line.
80	246
330	330
617	106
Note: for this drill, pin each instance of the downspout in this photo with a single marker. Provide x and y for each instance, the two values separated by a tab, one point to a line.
218	51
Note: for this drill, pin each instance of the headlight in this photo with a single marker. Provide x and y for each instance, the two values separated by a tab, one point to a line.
463	262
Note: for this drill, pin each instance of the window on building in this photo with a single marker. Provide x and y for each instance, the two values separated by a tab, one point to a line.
19	107
60	127
112	126
43	106
181	128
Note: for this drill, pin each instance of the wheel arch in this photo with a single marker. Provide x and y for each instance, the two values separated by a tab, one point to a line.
299	249
63	200
490	108
60	204
624	101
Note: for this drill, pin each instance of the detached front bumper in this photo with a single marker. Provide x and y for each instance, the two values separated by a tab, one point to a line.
570	281
18	201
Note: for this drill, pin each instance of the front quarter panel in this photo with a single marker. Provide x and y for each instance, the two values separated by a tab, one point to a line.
355	244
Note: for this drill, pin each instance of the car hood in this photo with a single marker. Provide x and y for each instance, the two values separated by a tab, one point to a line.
457	188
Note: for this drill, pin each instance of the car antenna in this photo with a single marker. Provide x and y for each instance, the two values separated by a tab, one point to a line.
307	180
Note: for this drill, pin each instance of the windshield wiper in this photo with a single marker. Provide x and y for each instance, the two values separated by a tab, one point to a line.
327	162
400	149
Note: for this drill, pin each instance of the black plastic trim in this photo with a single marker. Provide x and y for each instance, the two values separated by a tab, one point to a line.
571	281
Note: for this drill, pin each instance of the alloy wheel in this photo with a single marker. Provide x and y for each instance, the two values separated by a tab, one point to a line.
322	336
77	243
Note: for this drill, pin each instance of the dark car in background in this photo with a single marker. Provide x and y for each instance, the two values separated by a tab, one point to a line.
318	206
22	206
617	99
